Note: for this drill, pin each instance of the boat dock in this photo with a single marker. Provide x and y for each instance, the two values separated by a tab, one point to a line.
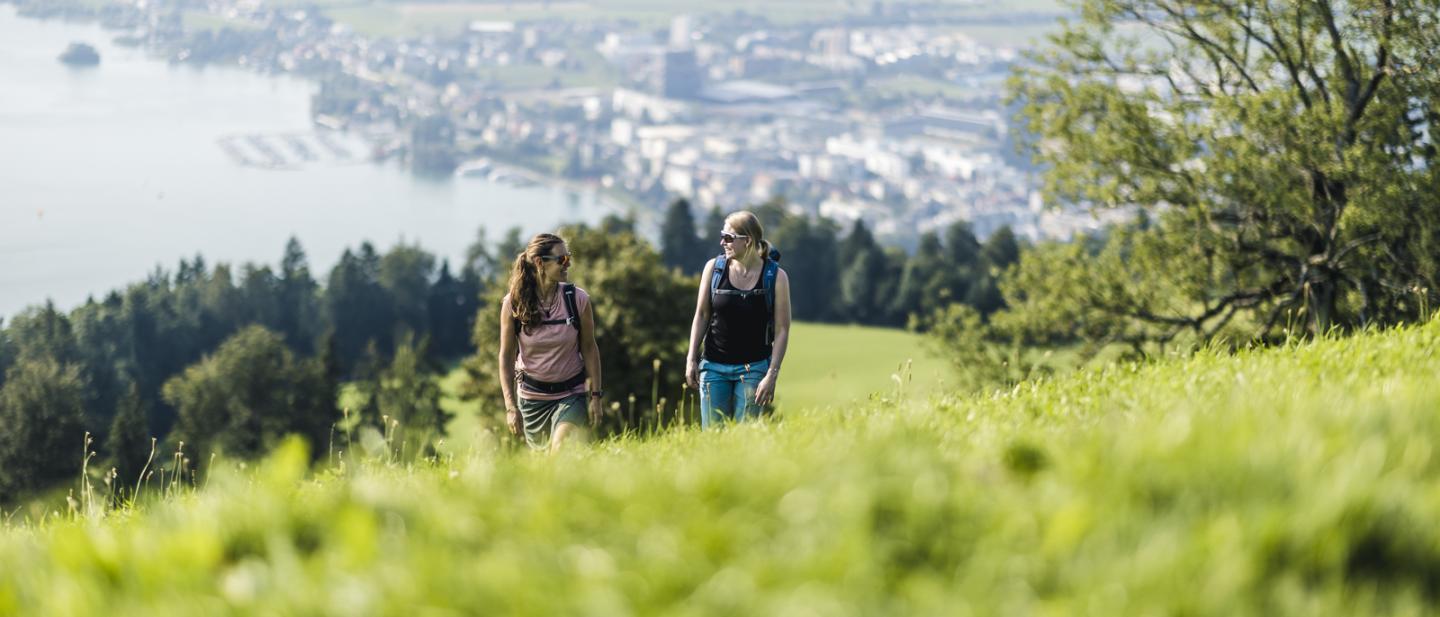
293	150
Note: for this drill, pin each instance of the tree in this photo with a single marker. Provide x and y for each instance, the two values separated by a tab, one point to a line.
101	337
710	233
299	301
405	272
927	283
42	408
247	395
963	249
408	395
867	278
128	444
452	305
7	352
1285	149
44	332
679	246
221	307
861	283
810	257
356	305
1001	250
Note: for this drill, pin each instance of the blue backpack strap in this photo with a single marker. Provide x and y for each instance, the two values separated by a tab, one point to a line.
771	271
717	273
768	276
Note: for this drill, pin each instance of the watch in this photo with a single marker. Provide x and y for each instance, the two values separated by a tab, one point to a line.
597	393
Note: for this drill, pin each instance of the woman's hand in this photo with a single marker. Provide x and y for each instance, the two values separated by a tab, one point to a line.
597	411
692	375
512	420
765	392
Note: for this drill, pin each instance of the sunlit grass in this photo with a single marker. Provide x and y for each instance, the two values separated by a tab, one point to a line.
1289	481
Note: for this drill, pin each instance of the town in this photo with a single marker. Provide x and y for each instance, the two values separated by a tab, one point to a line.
853	116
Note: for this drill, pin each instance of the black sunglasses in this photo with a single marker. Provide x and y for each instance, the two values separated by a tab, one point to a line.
563	259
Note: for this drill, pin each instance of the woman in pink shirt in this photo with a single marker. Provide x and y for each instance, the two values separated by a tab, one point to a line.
549	362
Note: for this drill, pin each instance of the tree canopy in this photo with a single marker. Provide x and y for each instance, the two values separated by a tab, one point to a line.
1283	150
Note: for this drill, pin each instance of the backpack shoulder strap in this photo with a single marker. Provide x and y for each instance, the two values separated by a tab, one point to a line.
771	271
717	273
572	307
572	312
768	276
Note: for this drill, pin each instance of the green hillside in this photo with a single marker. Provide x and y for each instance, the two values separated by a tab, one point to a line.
1290	481
829	365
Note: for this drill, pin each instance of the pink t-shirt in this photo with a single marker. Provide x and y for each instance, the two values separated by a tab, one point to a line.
552	353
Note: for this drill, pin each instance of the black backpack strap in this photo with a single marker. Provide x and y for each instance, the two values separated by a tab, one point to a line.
572	312
572	307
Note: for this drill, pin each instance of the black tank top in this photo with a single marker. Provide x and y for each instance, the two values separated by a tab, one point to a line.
738	326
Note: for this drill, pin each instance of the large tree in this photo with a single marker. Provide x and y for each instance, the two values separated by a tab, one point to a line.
680	247
247	395
299	299
42	407
1284	150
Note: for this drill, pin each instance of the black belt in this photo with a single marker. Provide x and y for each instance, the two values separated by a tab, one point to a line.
552	387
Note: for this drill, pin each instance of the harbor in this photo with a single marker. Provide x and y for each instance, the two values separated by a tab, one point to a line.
294	150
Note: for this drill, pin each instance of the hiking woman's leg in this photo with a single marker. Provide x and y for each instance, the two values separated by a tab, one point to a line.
750	376
717	393
571	422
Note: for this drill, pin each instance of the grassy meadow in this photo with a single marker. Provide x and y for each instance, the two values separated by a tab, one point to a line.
1301	480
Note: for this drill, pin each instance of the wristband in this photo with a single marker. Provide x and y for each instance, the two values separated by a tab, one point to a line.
597	393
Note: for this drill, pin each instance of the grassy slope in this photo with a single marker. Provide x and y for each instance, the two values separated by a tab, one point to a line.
828	366
1295	481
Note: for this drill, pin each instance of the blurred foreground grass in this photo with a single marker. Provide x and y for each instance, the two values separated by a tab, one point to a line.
1292	481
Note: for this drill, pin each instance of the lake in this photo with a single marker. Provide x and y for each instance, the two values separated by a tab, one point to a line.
108	171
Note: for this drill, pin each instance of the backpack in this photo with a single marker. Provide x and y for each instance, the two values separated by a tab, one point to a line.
767	286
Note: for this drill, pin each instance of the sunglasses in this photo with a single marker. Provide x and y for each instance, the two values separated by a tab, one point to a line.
729	238
563	259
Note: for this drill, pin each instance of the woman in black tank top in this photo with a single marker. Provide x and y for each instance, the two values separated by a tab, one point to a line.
742	323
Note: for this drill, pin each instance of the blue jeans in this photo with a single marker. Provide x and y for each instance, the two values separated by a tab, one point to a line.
727	391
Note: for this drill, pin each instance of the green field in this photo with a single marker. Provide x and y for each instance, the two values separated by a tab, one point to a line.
837	366
1301	480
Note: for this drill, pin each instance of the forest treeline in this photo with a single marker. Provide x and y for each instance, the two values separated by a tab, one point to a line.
227	359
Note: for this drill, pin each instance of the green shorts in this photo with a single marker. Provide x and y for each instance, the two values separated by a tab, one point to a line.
542	417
